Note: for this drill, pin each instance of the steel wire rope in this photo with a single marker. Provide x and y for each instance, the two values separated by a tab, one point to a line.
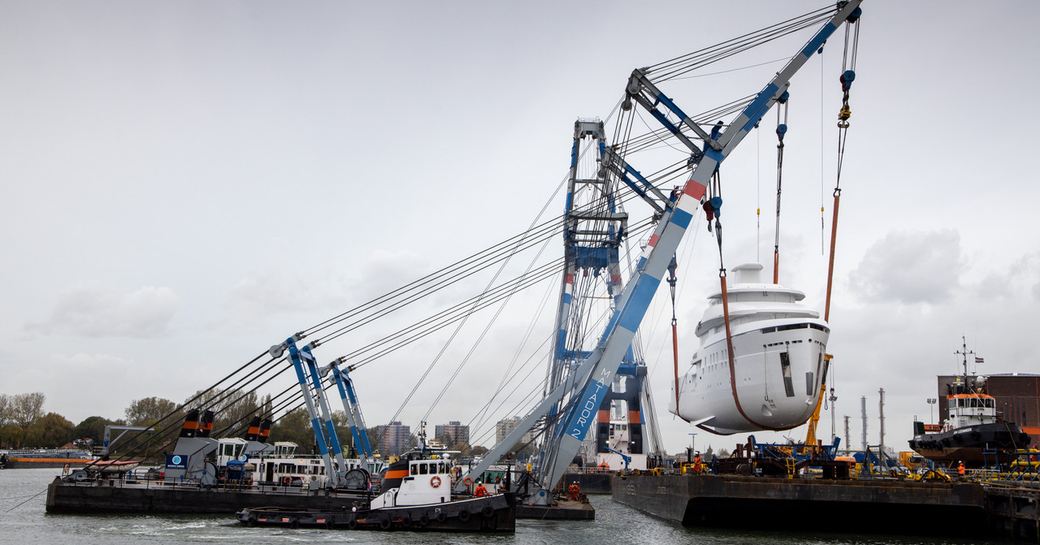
422	323
298	396
628	197
139	443
740	48
737	69
272	364
519	349
508	378
483	334
722	50
682	58
370	359
367	360
550	231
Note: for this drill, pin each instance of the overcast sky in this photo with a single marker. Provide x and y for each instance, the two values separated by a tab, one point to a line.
187	183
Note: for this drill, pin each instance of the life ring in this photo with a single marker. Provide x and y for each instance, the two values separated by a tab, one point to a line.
463	515
286	481
468	482
435	481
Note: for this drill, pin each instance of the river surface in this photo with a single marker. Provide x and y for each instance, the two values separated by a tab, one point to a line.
615	524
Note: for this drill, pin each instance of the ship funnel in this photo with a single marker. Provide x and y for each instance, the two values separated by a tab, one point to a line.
206	424
253	431
191	424
265	429
748	273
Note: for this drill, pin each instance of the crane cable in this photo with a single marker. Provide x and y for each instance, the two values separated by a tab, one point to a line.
781	131
715	204
675	335
848	75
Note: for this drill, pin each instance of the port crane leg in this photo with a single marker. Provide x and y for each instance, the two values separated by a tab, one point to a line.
335	450
352	408
308	399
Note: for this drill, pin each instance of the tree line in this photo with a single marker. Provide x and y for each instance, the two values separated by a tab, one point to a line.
25	425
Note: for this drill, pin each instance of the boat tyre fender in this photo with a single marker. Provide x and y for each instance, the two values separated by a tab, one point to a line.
352	524
463	515
384	524
423	520
487	512
441	517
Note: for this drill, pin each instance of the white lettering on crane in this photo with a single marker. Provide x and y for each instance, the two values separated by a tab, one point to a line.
581	424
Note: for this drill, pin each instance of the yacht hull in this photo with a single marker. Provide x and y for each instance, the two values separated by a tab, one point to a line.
775	384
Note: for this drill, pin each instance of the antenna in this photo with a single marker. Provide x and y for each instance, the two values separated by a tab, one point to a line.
963	353
863	411
881	417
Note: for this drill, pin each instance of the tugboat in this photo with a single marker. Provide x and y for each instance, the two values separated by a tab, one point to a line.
974	434
416	494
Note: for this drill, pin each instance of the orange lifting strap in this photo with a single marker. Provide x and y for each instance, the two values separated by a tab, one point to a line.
675	334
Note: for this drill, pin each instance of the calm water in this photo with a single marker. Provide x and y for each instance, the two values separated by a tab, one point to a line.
615	525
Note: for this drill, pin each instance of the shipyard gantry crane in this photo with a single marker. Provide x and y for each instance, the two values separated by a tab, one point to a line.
571	406
594	232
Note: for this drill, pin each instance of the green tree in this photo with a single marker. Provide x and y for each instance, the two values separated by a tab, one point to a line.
5	409
11	436
148	411
93	428
294	426
232	408
26	408
51	430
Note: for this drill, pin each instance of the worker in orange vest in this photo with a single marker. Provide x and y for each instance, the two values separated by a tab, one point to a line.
698	465
480	491
960	469
574	491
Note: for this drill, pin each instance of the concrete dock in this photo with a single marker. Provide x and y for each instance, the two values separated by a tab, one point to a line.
867	506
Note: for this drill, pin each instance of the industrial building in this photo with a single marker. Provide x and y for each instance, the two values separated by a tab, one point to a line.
454	433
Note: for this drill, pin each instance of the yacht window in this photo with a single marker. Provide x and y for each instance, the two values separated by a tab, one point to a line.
785	368
989	402
414	470
423	470
809	383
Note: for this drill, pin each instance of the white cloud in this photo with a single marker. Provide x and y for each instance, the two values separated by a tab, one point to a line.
910	267
144	312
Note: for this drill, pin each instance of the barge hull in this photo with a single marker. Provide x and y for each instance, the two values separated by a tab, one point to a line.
75	498
846	506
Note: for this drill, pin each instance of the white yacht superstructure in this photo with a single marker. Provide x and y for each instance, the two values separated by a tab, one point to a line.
778	344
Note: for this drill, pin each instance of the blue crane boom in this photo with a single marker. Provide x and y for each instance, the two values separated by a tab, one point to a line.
356	421
597	370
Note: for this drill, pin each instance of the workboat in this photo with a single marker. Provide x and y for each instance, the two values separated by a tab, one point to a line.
974	434
778	366
416	494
